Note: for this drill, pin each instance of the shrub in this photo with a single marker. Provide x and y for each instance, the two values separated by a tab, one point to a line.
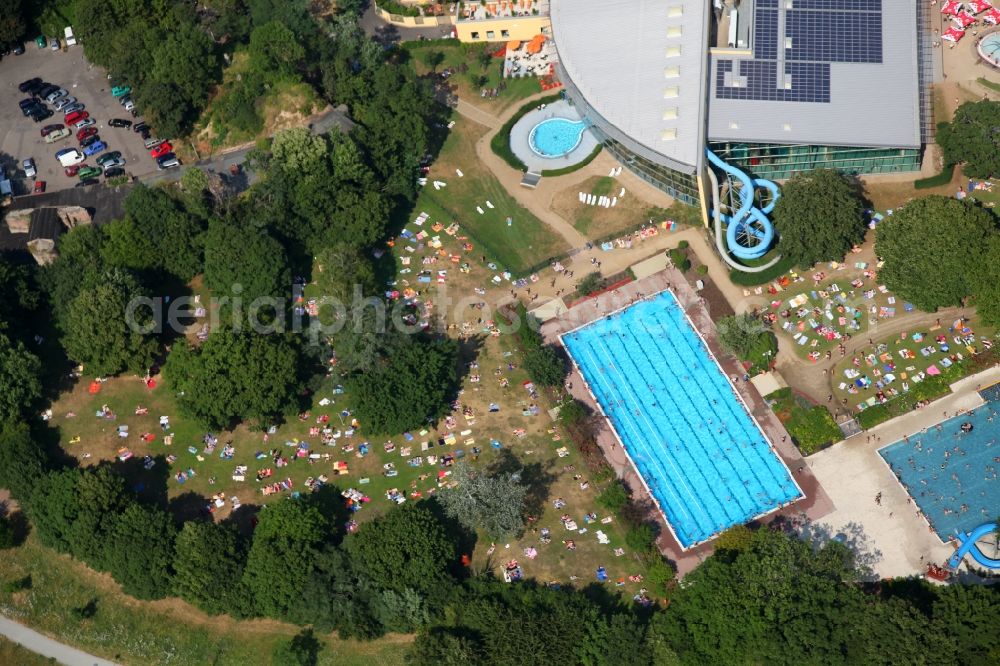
680	260
550	173
591	283
614	498
702	269
17	585
641	538
659	576
811	426
937	180
572	412
737	539
500	143
683	245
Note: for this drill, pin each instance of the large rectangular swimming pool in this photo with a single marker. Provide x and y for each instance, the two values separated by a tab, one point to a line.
704	459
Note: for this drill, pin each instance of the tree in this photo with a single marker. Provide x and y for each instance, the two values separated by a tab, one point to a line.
819	216
23	463
186	64
931	247
20	387
236	376
406	548
340	269
409	388
246	262
442	647
105	333
102	496
274	49
285	548
79	266
53	506
739	334
156	234
971	139
432	58
207	561
364	340
614	498
544	366
494	503
985	283
140	549
12	24
300	650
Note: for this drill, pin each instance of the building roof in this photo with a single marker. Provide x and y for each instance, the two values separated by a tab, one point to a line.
838	72
640	65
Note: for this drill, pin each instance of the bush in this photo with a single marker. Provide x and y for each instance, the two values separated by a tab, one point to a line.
591	284
641	538
736	539
300	650
811	426
702	270
550	173
659	576
614	498
544	366
683	245
679	259
17	585
572	412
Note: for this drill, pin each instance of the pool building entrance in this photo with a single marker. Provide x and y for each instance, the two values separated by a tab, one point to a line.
702	456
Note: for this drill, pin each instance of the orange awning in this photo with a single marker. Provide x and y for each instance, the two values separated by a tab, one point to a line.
513	45
535	45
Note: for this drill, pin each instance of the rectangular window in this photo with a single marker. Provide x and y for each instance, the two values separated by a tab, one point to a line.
475	35
490	34
505	33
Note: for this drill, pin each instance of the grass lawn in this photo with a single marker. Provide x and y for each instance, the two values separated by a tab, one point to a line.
73	604
811	426
596	222
524	244
12	653
457	57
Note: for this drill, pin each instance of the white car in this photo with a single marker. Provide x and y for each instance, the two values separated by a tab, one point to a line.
113	163
86	122
29	168
61	104
69	157
56	94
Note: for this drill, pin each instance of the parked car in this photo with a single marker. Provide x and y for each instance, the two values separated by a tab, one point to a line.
29	168
55	94
58	135
113	163
49	129
119	122
62	103
130	106
54	44
39	187
85	132
69	157
25	103
88	172
75	106
161	150
71	171
86	122
107	157
95	148
89	140
41	42
88	181
44	91
153	143
145	133
120	91
74	116
139	126
114	172
167	161
19	49
33	107
38	115
125	99
26	86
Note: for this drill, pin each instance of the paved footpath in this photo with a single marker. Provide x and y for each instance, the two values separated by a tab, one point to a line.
47	647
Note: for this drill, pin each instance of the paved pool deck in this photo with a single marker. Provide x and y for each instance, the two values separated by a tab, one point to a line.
536	163
900	540
813	506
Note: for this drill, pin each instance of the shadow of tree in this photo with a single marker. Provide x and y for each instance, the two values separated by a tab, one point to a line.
852	535
537	476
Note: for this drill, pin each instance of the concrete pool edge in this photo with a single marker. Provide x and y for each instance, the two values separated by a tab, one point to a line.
742	402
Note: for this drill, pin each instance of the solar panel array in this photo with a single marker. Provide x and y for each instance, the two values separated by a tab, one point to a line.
794	43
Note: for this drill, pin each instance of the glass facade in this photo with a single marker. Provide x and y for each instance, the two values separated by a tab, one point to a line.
780	162
681	186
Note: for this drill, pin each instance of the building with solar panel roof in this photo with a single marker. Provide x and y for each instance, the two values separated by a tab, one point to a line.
773	87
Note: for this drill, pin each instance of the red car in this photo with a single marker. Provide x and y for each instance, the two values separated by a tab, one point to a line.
71	171
85	132
161	150
76	116
39	186
49	129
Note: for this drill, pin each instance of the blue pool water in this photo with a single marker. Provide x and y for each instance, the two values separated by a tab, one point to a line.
952	475
555	137
704	459
990	45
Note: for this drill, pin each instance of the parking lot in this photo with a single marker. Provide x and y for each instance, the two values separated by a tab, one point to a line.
20	137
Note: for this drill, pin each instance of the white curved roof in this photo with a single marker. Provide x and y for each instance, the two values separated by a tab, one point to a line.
640	65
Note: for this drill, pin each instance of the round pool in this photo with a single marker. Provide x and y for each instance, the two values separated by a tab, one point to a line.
556	137
989	48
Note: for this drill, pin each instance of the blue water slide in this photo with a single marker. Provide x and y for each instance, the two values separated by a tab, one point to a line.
968	546
747	220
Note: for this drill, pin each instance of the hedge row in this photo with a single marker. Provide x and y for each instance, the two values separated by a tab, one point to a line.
500	143
938	180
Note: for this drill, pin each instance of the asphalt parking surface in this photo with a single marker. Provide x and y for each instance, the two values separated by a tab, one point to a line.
20	137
